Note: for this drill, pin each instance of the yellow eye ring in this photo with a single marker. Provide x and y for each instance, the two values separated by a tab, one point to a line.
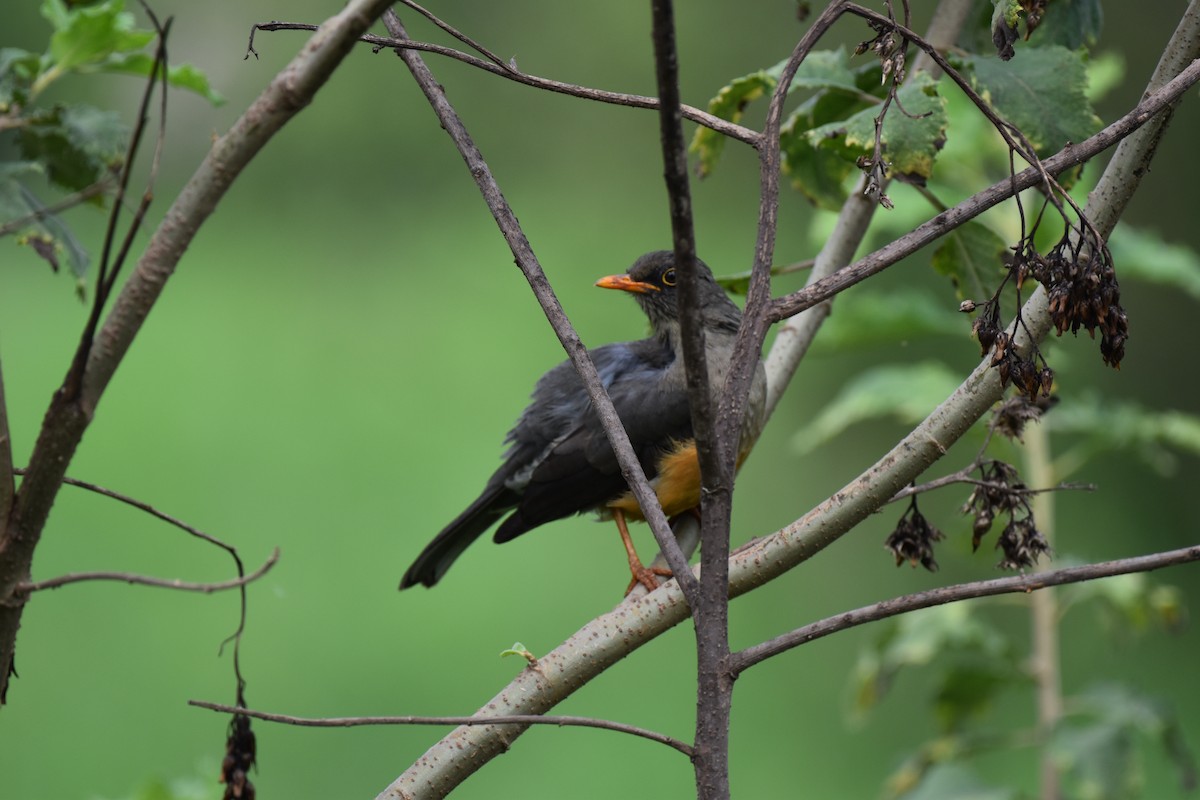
668	277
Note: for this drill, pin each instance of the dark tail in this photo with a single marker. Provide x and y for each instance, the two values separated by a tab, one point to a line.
468	526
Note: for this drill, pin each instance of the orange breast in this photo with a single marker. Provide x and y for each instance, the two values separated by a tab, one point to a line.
677	483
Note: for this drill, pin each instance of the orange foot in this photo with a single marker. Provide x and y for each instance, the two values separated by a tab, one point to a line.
641	573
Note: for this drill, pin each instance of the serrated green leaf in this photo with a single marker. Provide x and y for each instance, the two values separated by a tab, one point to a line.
84	36
181	76
77	144
819	174
910	140
822	69
825	71
1042	93
905	392
872	318
1144	255
970	256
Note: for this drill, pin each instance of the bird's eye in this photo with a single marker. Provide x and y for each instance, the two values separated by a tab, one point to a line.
668	277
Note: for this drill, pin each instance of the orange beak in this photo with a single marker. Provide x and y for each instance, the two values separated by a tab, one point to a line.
626	284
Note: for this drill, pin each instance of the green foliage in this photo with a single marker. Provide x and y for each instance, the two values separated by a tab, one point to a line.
911	135
970	256
1043	93
76	148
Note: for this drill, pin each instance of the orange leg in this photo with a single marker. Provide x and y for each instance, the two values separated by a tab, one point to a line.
639	571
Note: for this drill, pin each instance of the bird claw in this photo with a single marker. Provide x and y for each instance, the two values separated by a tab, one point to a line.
646	577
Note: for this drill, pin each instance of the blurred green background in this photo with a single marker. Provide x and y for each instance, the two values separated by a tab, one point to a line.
333	368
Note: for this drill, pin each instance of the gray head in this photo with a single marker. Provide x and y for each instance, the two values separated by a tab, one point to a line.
652	282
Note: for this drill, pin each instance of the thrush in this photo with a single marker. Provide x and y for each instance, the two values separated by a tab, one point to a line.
559	461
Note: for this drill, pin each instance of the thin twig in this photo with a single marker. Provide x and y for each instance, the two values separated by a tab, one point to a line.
510	719
510	72
462	37
144	580
964	476
744	659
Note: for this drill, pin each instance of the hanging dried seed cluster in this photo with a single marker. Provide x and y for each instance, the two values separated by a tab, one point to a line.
1084	293
1001	491
240	755
913	539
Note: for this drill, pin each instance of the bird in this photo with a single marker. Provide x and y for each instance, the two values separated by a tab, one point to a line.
559	461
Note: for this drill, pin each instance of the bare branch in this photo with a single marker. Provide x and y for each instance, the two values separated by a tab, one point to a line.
143	580
510	72
747	658
510	719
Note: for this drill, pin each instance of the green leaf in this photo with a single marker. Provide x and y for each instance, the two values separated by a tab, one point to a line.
901	316
88	35
77	144
970	256
818	173
910	140
823	70
181	76
906	392
1042	93
1145	255
50	237
730	103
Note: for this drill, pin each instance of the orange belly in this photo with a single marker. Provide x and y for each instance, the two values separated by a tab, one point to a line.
677	484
